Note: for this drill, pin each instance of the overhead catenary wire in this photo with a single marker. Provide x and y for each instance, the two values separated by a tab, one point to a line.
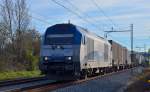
101	11
41	20
77	9
103	25
75	13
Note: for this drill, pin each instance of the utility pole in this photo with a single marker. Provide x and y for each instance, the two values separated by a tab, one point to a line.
145	48
145	54
131	43
131	38
132	62
131	33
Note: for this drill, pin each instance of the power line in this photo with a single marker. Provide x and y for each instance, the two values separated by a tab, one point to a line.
101	10
39	19
69	2
77	9
75	13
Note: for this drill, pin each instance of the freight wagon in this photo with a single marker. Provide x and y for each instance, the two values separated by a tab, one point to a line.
120	56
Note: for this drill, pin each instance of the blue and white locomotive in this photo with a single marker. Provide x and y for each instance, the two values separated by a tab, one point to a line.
70	52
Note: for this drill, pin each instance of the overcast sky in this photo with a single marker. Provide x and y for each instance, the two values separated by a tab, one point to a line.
121	12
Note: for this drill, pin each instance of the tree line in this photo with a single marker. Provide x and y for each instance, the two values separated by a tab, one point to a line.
19	42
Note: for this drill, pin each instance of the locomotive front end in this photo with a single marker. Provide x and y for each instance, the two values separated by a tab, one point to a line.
58	58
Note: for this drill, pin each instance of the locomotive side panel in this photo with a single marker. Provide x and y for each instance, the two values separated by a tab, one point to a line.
96	52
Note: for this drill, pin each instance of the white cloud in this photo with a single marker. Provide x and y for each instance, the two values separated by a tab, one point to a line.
122	12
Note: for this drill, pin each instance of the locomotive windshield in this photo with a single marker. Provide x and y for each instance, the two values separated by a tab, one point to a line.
53	39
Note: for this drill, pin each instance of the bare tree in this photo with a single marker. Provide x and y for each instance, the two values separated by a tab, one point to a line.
21	15
7	16
13	25
2	37
21	20
6	31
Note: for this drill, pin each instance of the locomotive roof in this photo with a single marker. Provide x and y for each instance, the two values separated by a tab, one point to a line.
78	28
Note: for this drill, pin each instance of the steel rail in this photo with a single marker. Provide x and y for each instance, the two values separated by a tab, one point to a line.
20	81
56	85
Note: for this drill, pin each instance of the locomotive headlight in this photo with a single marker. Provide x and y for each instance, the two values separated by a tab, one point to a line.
69	58
45	58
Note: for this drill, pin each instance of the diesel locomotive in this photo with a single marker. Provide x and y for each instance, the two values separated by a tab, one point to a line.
71	52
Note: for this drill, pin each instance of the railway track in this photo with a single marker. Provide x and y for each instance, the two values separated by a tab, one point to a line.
42	84
19	81
57	85
23	83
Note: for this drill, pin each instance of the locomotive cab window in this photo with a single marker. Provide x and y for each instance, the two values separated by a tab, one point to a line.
59	39
83	40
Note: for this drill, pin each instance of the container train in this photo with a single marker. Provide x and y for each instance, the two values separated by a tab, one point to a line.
69	52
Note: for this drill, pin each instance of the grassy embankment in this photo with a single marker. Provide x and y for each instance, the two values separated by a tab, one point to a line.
19	74
142	83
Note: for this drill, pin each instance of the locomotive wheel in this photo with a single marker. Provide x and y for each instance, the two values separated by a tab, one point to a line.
90	72
84	74
102	72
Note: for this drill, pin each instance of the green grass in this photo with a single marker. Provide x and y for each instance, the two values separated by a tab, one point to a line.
19	74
